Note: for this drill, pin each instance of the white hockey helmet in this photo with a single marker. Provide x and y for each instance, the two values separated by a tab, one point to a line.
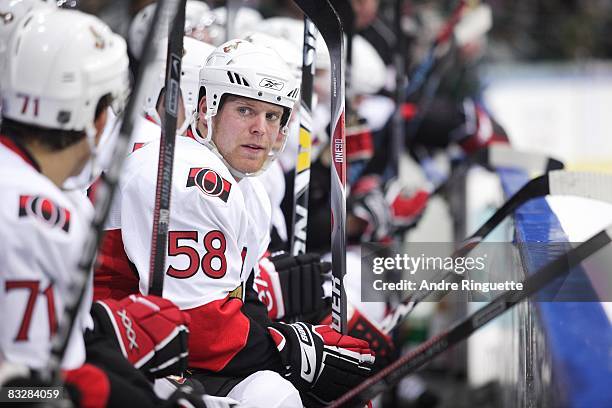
198	22
81	59
194	55
368	71
198	17
11	12
286	49
241	68
138	30
246	19
292	30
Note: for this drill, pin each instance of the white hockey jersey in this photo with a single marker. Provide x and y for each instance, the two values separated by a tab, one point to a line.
42	236
218	230
222	220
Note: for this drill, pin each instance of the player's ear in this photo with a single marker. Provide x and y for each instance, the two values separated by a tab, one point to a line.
101	116
100	123
202	106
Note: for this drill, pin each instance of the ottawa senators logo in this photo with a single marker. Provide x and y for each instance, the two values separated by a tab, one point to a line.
45	210
99	40
231	46
209	182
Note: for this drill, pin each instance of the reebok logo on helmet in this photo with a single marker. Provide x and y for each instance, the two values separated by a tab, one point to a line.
271	84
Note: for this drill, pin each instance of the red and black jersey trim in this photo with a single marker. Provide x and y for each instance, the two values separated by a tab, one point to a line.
21	151
45	210
209	182
137	146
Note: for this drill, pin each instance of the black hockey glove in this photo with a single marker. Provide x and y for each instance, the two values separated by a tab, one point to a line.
291	286
189	396
320	362
367	203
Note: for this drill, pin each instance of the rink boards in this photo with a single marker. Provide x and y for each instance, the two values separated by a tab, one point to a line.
546	353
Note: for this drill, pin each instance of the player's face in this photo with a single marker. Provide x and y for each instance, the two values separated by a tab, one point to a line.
245	130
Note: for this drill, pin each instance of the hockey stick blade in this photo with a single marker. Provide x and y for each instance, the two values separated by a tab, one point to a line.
433	347
502	155
558	182
591	185
325	18
106	189
596	186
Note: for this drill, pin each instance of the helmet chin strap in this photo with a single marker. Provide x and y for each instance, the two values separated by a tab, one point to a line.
180	130
186	124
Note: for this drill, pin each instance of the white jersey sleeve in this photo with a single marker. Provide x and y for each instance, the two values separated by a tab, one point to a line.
273	181
259	212
42	236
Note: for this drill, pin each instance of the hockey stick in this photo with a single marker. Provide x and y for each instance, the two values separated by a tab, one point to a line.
492	157
345	13
470	26
460	29
106	190
325	18
161	210
501	155
422	70
397	137
557	182
427	351
302	168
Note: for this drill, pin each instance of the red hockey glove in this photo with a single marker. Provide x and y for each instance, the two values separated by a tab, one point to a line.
362	328
88	386
319	361
291	286
481	129
381	344
151	332
406	207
